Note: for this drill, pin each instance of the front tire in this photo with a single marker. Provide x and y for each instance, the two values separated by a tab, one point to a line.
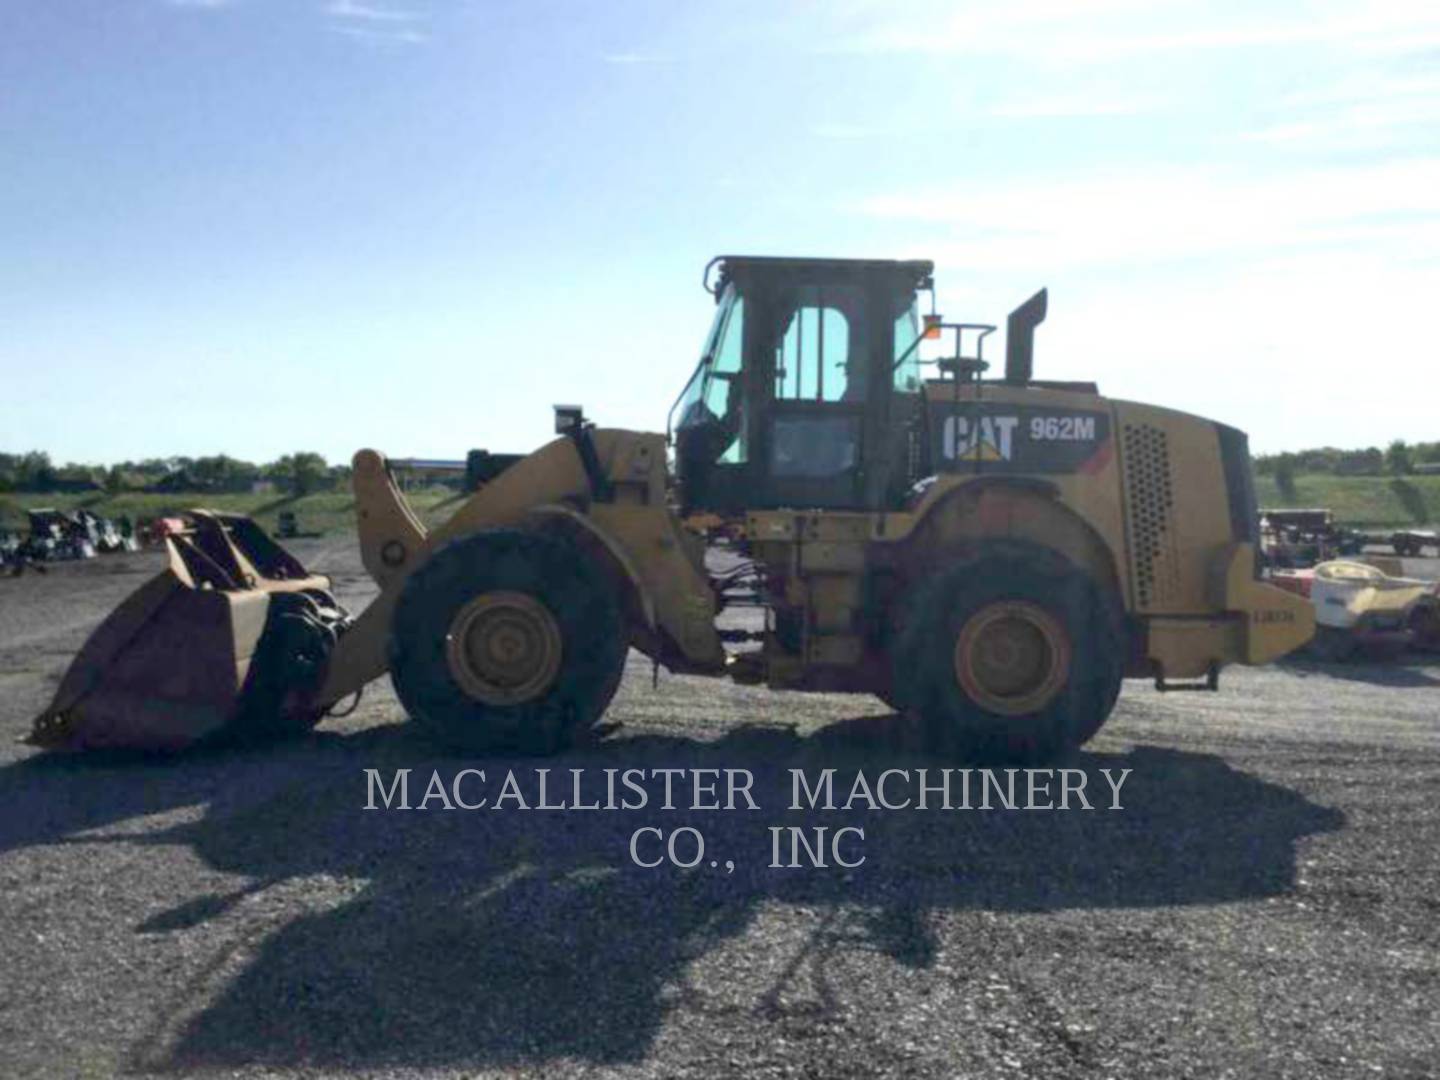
507	640
1015	656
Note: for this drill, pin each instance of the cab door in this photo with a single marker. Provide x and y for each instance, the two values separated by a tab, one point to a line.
818	346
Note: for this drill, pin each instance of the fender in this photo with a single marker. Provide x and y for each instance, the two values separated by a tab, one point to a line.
576	520
989	508
393	543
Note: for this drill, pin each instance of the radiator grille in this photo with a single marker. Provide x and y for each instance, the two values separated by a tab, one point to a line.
1150	511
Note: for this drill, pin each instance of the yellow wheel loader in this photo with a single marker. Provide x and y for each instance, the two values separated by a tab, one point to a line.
990	555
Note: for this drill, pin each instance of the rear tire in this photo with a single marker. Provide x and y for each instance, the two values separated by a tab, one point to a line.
1015	656
507	640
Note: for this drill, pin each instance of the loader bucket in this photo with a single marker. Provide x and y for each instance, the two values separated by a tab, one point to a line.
230	639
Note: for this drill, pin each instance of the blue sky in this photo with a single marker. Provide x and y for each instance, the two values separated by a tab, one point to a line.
257	226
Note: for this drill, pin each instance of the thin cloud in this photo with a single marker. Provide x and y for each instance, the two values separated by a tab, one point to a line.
636	58
208	4
843	132
1369	110
382	37
349	9
1047	108
376	25
1368	86
1176	215
1300	328
1284	133
1070	30
1367	127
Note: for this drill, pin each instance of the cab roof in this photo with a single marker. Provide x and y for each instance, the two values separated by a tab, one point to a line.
915	272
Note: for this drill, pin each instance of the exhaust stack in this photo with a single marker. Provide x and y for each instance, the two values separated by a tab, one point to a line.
1020	338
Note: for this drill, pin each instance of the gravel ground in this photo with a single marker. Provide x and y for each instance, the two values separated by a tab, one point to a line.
1263	905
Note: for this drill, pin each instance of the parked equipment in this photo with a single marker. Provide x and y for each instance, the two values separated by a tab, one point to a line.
1291	539
288	527
991	556
104	535
1361	608
10	545
1413	542
56	535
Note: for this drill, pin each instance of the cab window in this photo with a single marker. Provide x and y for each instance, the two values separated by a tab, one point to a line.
906	360
714	398
819	354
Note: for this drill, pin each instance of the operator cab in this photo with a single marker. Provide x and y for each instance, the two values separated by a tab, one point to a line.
804	386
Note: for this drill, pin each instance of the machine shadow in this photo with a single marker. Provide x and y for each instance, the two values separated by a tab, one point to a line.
500	937
1407	671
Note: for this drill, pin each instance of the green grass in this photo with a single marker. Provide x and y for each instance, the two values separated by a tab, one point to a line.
329	512
1382	501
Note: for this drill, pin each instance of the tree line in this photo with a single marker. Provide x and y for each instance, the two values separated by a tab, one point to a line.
301	473
1398	459
305	472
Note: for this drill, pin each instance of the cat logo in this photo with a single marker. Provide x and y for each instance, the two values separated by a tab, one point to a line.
982	438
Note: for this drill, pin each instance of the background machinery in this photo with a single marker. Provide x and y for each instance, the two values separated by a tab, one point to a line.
1291	539
990	555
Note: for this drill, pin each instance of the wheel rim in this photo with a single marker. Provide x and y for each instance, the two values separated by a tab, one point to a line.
504	648
1012	657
